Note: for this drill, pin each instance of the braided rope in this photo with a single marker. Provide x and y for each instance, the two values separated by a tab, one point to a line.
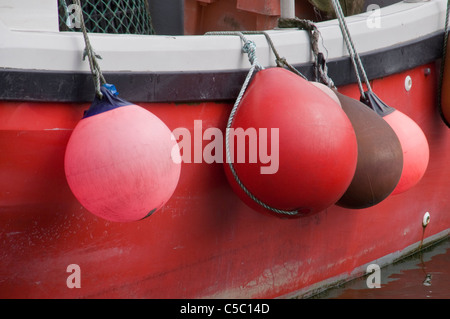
321	69
281	62
92	57
356	60
249	47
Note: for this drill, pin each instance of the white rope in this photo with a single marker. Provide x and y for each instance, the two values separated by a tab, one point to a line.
249	47
280	61
356	60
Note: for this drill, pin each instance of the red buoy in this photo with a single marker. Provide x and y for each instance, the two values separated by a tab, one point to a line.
412	139
314	144
118	161
415	150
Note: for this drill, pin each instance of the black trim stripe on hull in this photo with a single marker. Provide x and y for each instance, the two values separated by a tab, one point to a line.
58	86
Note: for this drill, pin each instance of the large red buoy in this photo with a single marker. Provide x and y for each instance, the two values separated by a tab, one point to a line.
315	145
412	139
121	161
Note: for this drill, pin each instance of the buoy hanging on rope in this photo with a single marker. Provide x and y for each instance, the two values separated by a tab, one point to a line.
315	145
412	139
380	157
121	162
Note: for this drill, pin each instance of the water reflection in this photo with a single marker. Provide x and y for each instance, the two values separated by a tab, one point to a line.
424	275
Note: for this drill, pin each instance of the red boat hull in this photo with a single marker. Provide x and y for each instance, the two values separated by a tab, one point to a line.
205	242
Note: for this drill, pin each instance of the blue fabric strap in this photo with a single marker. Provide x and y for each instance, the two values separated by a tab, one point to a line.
109	101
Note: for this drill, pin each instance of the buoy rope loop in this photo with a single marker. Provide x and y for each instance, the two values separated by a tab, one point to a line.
250	49
88	52
354	56
228	154
441	71
249	46
280	61
320	66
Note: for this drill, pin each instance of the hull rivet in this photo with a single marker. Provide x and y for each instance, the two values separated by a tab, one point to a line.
408	83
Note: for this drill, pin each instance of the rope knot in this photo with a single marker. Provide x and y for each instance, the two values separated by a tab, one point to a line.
249	47
86	54
281	62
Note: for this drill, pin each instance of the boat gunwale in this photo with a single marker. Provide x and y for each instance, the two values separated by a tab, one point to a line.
203	86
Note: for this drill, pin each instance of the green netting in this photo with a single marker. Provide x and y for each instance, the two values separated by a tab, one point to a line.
108	16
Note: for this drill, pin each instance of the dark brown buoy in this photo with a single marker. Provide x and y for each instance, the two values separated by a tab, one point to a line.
380	157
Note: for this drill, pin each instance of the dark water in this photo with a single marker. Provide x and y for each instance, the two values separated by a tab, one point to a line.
424	275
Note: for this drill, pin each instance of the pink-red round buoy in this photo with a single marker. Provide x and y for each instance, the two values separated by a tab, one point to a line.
415	150
311	141
122	164
414	143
